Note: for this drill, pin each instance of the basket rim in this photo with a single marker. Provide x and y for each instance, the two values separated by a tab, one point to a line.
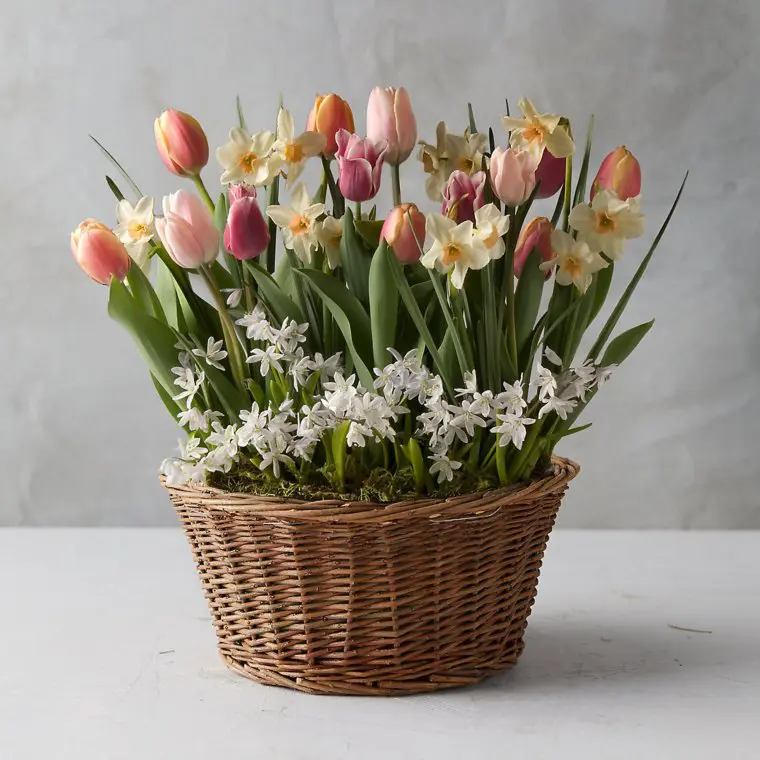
204	496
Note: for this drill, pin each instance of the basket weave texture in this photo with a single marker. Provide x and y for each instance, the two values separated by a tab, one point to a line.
331	597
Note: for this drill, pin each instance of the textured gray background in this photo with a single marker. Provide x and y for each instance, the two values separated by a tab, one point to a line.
673	442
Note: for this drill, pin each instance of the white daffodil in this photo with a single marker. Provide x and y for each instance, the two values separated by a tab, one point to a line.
455	248
511	429
575	261
298	223
537	131
329	233
608	222
249	158
295	150
136	228
491	226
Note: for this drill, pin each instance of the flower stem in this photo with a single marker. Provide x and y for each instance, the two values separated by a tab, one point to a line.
358	211
204	193
509	281
396	180
568	192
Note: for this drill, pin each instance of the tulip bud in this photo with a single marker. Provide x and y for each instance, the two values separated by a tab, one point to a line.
536	234
551	174
360	166
187	230
463	195
181	143
513	175
620	172
330	114
246	235
99	253
404	236
236	192
390	119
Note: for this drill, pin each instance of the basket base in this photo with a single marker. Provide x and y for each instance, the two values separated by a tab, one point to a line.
377	686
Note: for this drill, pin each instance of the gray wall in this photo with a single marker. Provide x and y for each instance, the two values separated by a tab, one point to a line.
673	441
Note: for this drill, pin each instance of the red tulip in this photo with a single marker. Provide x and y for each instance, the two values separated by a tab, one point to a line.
620	172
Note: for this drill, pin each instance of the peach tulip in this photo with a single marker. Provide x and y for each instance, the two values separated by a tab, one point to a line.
181	143
404	231
330	114
99	253
620	172
536	234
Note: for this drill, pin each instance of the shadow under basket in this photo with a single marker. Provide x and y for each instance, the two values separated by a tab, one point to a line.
334	597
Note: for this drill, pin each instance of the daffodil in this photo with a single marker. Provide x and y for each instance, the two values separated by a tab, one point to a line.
456	248
538	131
293	150
298	222
574	260
249	158
491	226
608	222
329	234
136	228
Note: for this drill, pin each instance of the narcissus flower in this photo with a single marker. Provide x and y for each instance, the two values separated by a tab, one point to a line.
99	253
538	131
390	120
513	175
330	233
136	228
249	158
330	114
608	222
298	222
294	150
456	248
620	172
491	226
181	143
187	230
404	236
575	262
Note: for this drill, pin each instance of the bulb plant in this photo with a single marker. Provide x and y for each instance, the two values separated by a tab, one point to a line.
310	345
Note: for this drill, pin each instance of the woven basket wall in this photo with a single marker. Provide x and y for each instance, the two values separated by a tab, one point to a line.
357	598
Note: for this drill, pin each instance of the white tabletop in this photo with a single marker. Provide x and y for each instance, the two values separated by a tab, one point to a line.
107	652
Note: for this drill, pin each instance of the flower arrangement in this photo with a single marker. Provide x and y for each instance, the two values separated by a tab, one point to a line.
372	357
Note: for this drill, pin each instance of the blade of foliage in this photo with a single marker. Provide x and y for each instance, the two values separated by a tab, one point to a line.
530	287
270	253
280	305
339	450
383	305
114	188
143	292
355	259
241	118
121	169
369	231
580	188
623	345
603	281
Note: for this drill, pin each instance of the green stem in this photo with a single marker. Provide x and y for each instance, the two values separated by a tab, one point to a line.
339	205
273	200
237	361
396	181
568	192
519	461
509	276
358	212
204	193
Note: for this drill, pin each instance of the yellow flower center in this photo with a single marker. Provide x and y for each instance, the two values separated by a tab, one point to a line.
572	267
490	241
248	161
299	225
533	133
335	238
136	230
605	224
428	164
294	153
465	164
451	254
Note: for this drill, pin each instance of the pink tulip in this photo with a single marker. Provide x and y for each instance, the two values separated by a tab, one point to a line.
236	192
620	172
181	143
187	230
551	174
513	175
246	234
360	165
99	253
390	119
330	114
536	234
404	236
463	195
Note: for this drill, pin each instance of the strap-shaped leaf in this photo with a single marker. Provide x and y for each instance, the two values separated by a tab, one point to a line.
355	259
383	305
530	287
281	306
621	347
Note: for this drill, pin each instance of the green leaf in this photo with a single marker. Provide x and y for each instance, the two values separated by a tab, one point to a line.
603	281
471	119
465	363
167	294
114	188
269	255
355	259
241	118
621	347
222	276
339	450
383	305
369	231
617	312
530	287
233	399
554	437
280	305
351	318
580	188
413	453
144	294
171	405
121	169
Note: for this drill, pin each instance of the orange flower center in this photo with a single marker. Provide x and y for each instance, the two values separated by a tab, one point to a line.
451	254
299	225
136	230
248	161
294	152
533	133
605	224
490	241
465	164
572	267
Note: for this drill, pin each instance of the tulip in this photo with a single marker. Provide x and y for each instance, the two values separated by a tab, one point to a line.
463	195
360	165
620	172
390	119
330	114
187	230
246	234
513	175
536	234
551	174
181	143
236	192
99	253
404	231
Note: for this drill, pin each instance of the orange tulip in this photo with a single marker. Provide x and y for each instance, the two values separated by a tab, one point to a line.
330	114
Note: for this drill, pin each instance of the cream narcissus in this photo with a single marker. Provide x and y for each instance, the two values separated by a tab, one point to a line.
537	132
298	223
295	150
249	158
456	248
575	262
608	222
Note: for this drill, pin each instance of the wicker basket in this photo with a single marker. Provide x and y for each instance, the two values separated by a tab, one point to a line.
331	597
